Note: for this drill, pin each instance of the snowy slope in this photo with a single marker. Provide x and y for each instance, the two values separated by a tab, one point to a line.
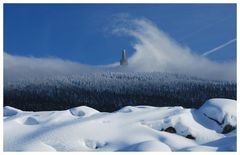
139	128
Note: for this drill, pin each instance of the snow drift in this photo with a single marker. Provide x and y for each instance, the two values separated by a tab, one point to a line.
139	128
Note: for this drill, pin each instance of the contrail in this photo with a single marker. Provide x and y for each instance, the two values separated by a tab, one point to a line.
219	47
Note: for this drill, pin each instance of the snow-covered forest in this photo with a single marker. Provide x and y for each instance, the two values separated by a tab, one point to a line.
110	91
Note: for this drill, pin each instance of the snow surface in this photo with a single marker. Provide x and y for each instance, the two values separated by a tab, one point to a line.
221	110
139	128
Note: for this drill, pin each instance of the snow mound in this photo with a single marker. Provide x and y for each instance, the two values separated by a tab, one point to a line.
188	123
83	111
140	128
223	111
10	111
31	121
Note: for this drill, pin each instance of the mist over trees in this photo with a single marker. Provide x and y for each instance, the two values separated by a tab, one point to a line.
109	91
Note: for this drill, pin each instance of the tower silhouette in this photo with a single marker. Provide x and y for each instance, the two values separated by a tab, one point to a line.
124	61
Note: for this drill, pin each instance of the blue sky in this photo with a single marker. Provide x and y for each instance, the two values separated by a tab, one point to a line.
82	32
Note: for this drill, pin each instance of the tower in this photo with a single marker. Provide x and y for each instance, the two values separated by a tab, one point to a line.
124	61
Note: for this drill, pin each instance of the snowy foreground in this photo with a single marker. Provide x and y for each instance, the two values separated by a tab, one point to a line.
140	128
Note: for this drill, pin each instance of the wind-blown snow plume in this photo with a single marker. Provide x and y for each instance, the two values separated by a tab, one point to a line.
156	51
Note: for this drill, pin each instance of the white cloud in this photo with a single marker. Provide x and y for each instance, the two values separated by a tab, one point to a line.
156	51
24	68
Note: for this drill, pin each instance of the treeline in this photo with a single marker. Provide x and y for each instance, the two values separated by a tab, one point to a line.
111	91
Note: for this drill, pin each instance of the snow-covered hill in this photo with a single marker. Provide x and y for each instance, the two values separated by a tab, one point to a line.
132	128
